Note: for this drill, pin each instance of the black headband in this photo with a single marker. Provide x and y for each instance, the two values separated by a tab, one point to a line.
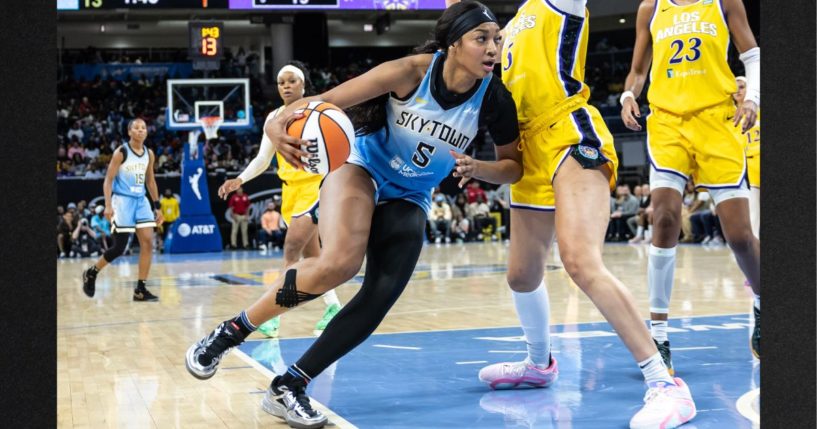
467	21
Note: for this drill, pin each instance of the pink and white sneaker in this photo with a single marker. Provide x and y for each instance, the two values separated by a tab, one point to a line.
665	407
508	375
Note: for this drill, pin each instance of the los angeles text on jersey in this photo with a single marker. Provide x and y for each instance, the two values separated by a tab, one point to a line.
687	23
435	129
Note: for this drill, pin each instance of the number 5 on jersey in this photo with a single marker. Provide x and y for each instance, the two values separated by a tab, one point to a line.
422	155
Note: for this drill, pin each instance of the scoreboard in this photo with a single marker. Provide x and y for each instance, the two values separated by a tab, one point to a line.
141	4
193	5
206	40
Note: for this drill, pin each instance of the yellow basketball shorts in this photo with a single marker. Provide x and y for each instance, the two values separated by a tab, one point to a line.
300	197
703	146
753	168
547	142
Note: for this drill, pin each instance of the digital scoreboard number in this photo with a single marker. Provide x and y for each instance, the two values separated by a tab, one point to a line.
293	4
206	40
153	4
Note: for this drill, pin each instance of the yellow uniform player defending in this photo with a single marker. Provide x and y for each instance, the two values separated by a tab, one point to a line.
299	197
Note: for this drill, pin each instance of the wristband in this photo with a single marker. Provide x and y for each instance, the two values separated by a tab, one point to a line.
625	95
157	205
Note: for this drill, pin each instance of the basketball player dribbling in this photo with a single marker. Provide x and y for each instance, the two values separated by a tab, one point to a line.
129	173
423	112
299	195
693	133
569	169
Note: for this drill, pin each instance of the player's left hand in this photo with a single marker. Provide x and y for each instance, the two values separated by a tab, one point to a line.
466	167
748	113
159	217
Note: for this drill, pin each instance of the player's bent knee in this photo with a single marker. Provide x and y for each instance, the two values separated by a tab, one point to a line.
523	281
666	219
289	296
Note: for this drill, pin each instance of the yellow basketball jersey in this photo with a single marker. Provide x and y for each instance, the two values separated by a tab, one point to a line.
689	70
543	59
286	172
753	138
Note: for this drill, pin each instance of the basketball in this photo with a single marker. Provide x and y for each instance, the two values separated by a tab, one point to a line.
332	132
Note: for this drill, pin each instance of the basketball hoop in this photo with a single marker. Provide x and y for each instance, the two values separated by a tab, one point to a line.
210	125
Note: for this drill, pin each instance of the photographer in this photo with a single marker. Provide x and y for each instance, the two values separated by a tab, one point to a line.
84	240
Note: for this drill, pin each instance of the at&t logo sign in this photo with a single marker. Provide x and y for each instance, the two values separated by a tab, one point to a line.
186	230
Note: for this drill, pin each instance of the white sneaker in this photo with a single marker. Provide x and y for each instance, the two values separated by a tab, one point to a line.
447	240
706	239
262	246
665	407
437	240
717	240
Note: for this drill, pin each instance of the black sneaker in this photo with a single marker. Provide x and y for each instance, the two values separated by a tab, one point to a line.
89	282
203	357
291	403
755	342
144	295
666	355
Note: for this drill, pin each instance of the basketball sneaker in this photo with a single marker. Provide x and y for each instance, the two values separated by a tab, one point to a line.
666	355
89	281
203	357
290	402
755	342
144	295
328	315
508	375
666	406
270	327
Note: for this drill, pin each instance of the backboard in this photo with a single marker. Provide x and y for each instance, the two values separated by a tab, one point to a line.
188	100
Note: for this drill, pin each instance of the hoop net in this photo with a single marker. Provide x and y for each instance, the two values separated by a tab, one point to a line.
210	125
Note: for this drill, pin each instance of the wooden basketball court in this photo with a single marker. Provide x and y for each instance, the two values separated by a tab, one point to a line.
121	363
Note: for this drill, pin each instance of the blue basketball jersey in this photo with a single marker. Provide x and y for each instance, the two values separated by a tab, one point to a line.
130	180
411	153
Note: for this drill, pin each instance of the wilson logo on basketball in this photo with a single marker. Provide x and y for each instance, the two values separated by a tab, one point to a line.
312	164
330	133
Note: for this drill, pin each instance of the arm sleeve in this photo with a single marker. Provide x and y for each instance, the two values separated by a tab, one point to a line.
260	163
751	62
499	114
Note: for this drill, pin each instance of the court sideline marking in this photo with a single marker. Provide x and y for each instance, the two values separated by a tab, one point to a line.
334	419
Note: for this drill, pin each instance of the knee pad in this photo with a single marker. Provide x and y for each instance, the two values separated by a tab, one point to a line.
120	241
288	296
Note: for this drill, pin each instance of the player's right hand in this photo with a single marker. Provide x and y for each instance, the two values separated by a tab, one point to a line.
228	187
108	212
629	112
289	147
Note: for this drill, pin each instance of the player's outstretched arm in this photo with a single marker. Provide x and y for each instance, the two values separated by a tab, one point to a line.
642	56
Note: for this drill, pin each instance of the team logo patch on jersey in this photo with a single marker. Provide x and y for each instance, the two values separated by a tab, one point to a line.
588	152
396	162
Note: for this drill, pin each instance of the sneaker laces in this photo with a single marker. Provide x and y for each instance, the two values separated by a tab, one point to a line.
221	342
299	392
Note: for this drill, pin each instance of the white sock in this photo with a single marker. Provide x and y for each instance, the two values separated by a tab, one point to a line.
757	301
330	298
655	371
533	309
660	273
639	232
658	329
